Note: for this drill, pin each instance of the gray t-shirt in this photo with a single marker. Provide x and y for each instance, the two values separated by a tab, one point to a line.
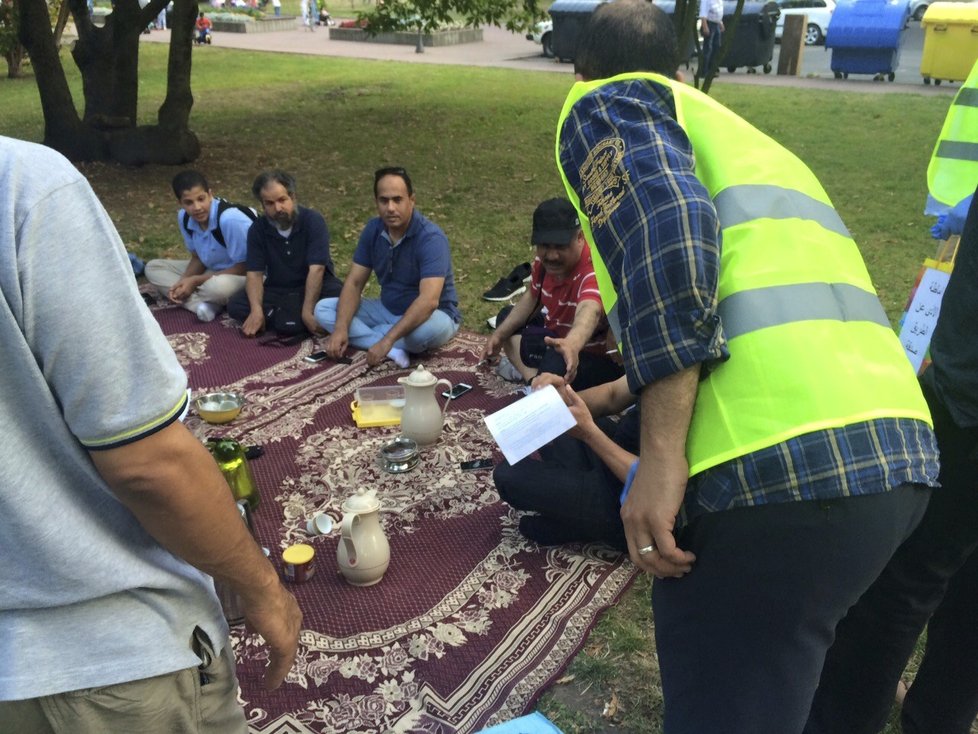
87	597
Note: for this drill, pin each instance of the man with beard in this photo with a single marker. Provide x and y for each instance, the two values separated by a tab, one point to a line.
418	307
289	267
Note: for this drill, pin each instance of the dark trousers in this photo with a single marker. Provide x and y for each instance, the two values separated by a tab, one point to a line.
711	47
877	637
592	369
570	485
239	308
742	637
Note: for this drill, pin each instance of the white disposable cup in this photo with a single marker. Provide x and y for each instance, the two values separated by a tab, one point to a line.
319	525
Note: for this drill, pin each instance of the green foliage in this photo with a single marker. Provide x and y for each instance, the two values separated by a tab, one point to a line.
428	15
8	26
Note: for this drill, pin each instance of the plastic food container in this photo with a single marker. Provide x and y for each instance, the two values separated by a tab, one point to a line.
378	406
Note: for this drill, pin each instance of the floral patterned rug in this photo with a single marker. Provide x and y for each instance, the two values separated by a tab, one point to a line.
471	621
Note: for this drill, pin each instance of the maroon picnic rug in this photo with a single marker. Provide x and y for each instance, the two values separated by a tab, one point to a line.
471	621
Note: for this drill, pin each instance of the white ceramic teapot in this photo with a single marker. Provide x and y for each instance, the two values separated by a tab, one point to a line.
422	418
363	553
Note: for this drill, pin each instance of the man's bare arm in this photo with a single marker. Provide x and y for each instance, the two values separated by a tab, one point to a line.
172	485
659	486
314	287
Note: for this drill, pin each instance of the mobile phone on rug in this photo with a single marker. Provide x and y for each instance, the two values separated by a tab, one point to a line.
476	464
316	357
456	392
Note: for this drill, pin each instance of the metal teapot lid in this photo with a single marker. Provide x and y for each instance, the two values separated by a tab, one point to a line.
419	377
363	501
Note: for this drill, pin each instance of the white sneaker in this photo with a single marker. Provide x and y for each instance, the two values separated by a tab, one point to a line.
206	311
507	370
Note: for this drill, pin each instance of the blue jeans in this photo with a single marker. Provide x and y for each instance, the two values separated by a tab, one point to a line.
372	321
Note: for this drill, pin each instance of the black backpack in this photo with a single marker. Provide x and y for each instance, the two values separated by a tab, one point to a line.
223	206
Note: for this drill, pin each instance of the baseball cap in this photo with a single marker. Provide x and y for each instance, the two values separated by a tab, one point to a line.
555	222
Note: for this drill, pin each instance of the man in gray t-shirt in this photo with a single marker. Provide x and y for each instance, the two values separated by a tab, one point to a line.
114	517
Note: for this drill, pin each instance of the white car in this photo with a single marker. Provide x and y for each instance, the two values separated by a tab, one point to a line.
819	14
543	34
919	7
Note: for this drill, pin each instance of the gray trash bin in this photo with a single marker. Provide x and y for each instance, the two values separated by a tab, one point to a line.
569	16
753	43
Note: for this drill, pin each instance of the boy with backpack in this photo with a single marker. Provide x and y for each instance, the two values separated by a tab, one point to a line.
216	234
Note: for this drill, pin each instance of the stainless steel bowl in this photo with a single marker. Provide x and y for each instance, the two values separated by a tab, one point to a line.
400	455
219	407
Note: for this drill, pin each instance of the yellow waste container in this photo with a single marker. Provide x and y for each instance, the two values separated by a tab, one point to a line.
950	42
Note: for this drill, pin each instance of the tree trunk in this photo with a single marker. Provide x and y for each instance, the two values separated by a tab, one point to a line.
15	61
174	114
108	59
63	130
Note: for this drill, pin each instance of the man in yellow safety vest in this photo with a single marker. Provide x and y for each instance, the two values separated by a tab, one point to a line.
785	445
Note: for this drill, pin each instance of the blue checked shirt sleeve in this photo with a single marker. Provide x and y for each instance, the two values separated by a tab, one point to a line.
654	226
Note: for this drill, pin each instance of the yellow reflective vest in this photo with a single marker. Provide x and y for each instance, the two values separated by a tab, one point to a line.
810	345
953	168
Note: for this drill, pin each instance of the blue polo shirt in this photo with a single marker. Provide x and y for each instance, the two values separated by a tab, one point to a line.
422	253
215	256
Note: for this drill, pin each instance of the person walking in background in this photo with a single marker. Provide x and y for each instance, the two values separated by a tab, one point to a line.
711	29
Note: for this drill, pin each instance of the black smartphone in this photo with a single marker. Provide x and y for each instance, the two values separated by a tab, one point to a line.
316	357
457	391
477	464
253	452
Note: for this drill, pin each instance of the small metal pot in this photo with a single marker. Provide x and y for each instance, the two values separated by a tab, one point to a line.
400	455
219	407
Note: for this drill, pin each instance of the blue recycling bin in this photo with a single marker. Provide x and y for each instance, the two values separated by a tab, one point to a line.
864	36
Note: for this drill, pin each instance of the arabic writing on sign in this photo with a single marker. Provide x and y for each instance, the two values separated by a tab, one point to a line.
921	317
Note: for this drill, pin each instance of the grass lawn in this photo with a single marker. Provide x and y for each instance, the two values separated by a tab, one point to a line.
479	146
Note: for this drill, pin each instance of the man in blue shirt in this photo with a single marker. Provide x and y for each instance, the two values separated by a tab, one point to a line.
216	235
418	306
289	265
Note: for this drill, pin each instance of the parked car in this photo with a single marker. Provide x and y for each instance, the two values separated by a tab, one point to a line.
543	34
819	14
918	8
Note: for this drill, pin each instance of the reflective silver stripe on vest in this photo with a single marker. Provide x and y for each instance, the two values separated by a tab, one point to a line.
967	97
958	150
739	204
747	311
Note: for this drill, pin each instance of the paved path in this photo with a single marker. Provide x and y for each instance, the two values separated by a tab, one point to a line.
501	48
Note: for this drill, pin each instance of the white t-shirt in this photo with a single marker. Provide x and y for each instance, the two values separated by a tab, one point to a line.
87	597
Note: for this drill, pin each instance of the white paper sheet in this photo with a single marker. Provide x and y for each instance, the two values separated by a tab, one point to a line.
526	425
921	318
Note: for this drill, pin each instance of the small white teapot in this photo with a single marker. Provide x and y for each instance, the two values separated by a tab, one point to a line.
363	553
422	418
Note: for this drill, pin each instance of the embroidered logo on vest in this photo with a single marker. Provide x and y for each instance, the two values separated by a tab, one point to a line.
603	180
